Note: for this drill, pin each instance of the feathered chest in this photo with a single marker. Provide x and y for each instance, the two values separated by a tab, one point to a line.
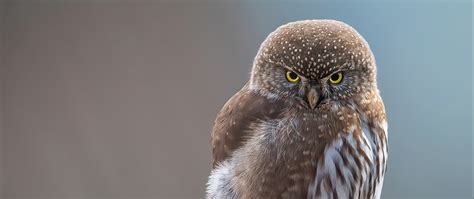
339	152
313	158
352	165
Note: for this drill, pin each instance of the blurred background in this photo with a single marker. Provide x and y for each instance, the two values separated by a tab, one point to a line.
116	99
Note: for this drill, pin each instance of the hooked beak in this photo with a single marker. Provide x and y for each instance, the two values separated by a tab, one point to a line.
313	98
313	94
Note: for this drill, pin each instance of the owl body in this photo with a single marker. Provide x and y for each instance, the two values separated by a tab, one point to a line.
279	138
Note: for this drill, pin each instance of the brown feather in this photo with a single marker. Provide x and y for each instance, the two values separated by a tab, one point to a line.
233	122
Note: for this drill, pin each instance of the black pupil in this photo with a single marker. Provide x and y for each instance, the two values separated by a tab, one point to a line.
335	77
293	75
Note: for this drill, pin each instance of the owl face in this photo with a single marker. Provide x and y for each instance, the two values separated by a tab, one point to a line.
311	63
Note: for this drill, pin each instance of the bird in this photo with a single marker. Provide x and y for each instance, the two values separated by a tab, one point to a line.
309	122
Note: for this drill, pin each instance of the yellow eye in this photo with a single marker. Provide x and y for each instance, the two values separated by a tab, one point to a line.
292	77
336	78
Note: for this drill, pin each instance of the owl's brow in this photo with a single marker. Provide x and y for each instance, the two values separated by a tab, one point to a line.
292	70
345	64
286	67
333	72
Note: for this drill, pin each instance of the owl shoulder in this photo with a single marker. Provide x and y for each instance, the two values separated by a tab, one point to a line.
233	122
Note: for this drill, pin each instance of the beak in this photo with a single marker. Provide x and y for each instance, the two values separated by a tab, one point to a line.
313	96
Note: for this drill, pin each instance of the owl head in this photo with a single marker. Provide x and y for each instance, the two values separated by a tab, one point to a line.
314	62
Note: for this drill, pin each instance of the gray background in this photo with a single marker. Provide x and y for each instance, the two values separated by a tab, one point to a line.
116	99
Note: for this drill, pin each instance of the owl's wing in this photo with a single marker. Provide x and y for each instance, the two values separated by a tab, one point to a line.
232	124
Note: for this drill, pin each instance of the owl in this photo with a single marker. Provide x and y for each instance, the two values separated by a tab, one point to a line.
309	123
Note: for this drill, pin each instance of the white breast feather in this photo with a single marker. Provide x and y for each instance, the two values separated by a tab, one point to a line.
333	158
